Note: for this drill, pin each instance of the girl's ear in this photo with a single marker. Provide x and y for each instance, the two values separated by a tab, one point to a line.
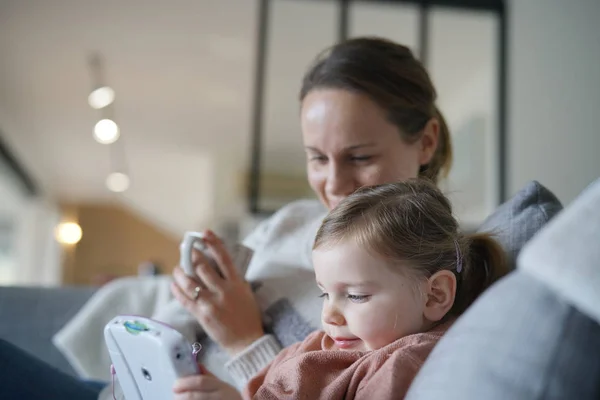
441	291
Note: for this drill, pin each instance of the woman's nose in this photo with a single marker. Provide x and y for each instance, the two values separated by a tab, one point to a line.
340	181
332	315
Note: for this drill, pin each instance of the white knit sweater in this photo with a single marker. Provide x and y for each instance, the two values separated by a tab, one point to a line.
283	279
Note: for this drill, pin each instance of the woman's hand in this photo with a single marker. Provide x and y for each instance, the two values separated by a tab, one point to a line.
204	387
224	306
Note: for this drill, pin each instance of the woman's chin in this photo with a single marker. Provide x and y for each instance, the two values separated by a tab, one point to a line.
331	204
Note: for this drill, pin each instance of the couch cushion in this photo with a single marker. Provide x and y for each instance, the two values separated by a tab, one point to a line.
565	255
521	217
30	316
519	341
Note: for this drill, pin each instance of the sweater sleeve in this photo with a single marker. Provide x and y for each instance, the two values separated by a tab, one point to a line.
255	383
253	359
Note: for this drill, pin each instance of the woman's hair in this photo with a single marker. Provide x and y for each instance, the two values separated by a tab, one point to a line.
392	77
412	222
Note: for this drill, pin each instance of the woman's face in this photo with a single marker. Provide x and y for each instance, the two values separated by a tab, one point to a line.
350	143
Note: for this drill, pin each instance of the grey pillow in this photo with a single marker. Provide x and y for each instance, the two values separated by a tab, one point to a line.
519	341
521	217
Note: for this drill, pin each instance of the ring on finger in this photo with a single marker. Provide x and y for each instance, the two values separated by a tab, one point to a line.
197	290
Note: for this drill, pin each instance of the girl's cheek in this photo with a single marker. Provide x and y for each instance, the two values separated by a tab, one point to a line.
371	323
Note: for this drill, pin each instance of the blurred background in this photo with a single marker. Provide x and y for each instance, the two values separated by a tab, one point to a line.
124	124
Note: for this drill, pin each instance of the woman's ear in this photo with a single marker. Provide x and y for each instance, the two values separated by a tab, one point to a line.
429	141
441	292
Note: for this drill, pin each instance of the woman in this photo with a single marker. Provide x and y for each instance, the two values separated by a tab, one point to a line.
368	117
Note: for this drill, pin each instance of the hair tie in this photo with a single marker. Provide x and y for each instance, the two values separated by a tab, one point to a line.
458	257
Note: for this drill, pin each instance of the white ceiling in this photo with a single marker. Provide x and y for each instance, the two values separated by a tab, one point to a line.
182	81
182	71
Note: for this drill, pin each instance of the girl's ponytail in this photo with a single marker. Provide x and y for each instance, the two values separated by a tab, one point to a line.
485	262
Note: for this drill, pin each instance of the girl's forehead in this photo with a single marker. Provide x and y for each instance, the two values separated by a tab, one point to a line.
341	250
349	263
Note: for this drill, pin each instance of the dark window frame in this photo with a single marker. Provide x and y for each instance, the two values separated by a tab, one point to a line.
8	158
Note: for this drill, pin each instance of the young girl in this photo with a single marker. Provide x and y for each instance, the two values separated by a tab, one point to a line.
395	271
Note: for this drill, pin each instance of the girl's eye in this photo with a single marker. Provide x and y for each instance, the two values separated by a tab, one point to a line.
324	295
356	298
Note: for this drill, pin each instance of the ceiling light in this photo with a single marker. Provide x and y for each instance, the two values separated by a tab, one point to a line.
68	233
101	97
106	131
117	182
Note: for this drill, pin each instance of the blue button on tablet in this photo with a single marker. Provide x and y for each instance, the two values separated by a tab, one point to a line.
135	327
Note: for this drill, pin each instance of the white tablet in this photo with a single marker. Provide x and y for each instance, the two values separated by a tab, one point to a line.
148	356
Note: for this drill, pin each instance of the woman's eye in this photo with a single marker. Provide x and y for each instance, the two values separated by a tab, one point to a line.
361	158
324	295
317	158
356	298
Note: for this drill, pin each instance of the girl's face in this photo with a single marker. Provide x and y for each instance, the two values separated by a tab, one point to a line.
367	304
350	143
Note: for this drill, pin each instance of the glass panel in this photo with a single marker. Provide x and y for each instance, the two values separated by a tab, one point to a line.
397	22
298	31
463	65
463	62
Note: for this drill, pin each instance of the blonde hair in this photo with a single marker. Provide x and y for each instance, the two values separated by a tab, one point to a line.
412	222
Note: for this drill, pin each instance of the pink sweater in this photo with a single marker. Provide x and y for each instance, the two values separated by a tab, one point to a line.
311	370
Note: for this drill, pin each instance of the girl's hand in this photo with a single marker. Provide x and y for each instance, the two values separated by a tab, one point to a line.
224	306
204	387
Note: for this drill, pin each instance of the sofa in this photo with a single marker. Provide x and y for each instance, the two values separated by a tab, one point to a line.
30	316
497	346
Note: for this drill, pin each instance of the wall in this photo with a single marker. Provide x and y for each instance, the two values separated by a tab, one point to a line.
28	253
554	94
114	243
